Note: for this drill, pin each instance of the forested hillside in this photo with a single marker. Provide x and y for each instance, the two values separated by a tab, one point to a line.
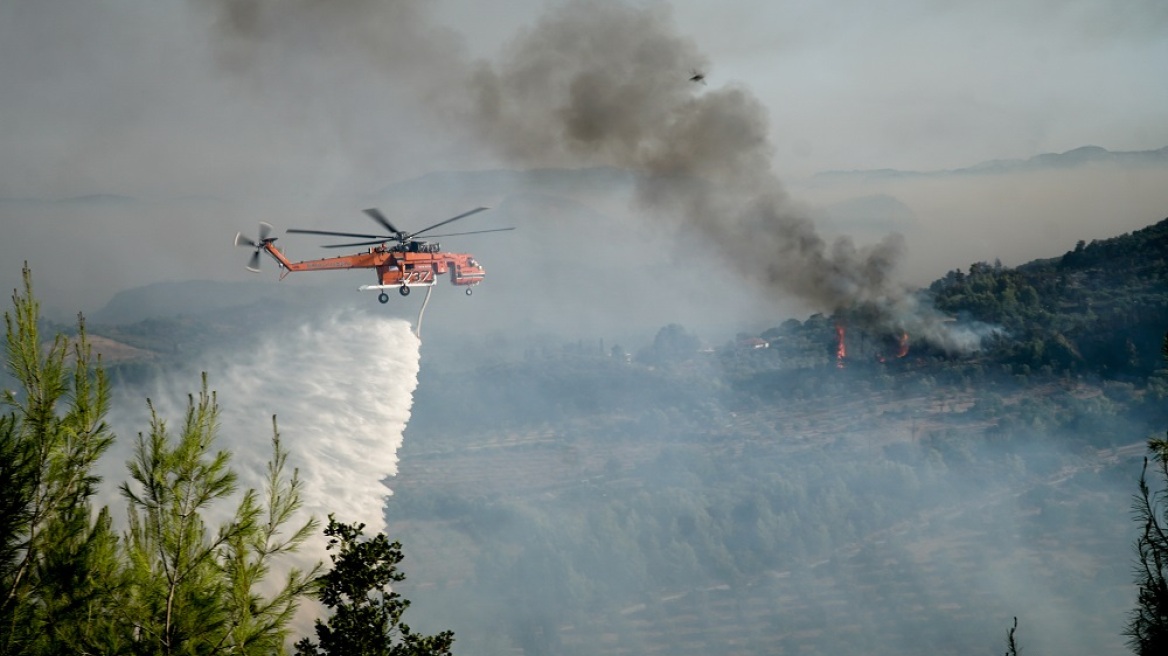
765	495
1097	309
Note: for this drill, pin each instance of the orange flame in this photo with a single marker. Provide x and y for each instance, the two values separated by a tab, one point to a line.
841	351
902	350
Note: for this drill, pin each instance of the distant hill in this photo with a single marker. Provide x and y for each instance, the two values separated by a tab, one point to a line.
879	213
1084	156
192	298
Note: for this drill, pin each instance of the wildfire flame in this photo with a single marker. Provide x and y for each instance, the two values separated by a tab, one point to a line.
902	350
841	351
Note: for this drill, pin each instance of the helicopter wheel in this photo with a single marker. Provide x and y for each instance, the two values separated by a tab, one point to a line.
469	291
383	297
404	290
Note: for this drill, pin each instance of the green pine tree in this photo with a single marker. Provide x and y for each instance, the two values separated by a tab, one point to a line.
54	553
366	613
193	589
1147	630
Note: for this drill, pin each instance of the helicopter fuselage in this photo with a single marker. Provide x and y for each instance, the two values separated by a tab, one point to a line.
400	260
411	265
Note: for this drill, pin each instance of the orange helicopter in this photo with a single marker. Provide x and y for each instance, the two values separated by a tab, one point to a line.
401	261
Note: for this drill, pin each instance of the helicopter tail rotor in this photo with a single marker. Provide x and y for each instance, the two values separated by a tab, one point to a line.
265	238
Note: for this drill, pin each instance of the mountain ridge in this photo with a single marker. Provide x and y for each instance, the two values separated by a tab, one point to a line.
1074	158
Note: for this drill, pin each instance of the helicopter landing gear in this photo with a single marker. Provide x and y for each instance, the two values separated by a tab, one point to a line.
404	290
469	291
383	297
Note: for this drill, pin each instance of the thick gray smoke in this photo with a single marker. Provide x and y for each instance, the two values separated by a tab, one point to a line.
607	84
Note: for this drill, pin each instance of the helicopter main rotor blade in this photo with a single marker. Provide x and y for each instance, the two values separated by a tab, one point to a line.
359	243
442	223
331	233
377	216
472	232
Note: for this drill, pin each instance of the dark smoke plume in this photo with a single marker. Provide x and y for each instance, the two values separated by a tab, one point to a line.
597	83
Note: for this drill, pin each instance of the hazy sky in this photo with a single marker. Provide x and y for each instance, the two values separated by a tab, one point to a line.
925	84
302	107
128	96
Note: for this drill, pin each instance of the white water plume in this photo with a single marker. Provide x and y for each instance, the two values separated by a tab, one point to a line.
341	388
